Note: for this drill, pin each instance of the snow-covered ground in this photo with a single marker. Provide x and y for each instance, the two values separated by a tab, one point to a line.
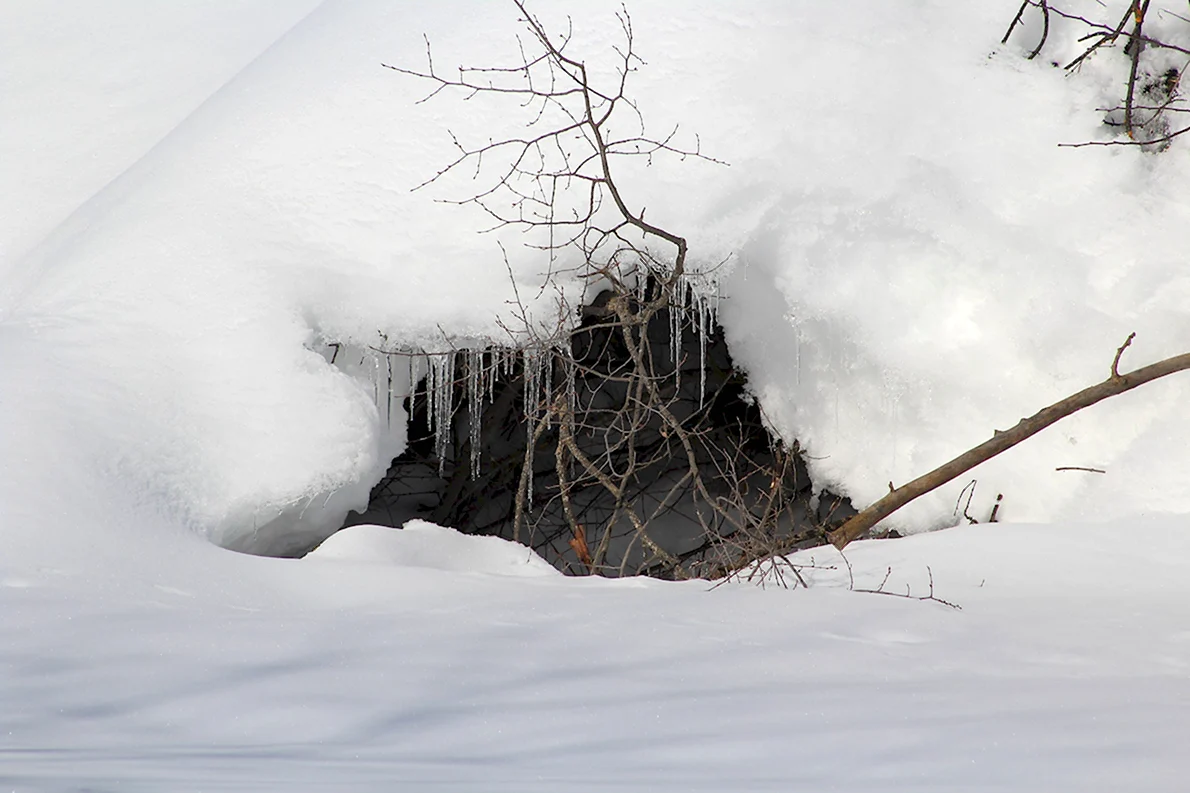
378	664
198	198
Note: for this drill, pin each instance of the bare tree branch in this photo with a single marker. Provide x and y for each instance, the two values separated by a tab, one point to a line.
1026	428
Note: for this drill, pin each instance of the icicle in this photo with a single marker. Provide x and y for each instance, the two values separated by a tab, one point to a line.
438	367
548	385
530	421
530	428
393	395
431	373
488	360
675	336
388	401
414	374
474	404
445	409
482	359
440	402
526	377
532	374
497	357
702	349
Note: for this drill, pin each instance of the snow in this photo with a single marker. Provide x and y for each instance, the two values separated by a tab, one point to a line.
209	242
911	262
422	544
1067	666
90	88
938	269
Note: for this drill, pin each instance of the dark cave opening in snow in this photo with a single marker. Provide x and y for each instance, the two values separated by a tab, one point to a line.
632	496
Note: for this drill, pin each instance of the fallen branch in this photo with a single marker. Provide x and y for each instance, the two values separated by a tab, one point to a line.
1115	384
907	594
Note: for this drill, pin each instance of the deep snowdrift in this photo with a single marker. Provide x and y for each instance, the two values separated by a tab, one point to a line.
912	262
197	199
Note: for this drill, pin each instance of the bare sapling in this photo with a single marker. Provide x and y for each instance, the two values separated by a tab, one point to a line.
624	438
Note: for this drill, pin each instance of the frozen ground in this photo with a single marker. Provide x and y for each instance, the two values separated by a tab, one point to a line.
198	200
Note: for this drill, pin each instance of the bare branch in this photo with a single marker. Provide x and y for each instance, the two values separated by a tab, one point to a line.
1002	441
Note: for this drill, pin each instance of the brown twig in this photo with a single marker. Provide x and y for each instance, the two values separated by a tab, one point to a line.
1108	36
907	594
1020	12
1135	46
1115	363
996	508
1045	30
1148	142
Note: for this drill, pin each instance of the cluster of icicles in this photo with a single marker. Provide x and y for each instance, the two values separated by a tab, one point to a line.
694	307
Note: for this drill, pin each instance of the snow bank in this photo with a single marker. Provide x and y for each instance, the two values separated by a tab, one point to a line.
932	267
912	262
200	288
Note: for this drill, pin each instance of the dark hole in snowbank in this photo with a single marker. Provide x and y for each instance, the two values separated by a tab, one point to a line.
760	496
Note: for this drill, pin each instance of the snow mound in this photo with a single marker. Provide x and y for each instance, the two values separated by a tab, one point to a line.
930	266
911	260
426	545
224	297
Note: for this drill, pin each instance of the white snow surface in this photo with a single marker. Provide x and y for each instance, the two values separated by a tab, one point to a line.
422	544
199	198
911	261
1067	669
